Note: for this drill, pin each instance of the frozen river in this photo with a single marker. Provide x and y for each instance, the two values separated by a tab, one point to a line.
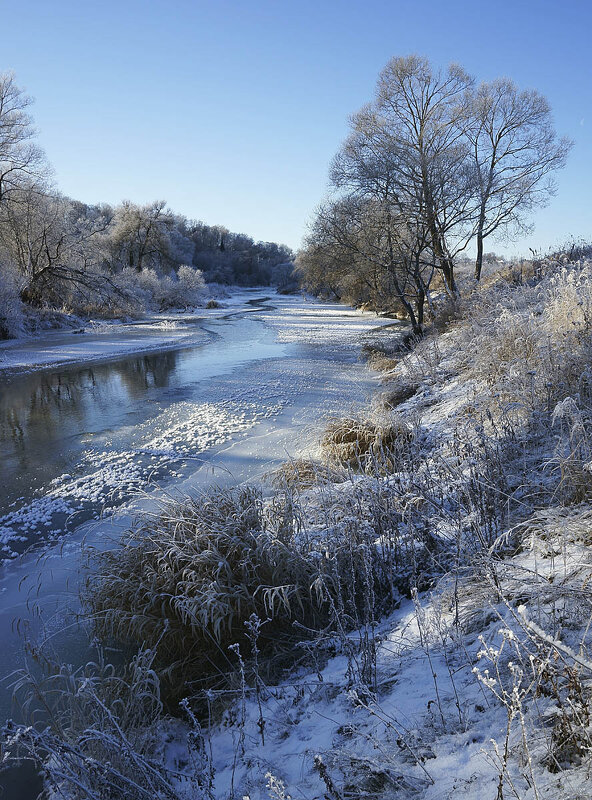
84	445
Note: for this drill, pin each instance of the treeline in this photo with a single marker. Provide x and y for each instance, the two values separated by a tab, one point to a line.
56	252
434	165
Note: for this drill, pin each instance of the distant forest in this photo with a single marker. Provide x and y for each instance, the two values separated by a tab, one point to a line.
57	253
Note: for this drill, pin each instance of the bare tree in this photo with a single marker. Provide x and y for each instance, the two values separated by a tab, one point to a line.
407	151
515	150
56	250
141	235
417	115
22	162
362	252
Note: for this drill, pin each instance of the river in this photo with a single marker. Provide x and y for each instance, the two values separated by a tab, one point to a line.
84	447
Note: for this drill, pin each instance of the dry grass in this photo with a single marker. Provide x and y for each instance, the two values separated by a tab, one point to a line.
92	730
379	360
366	444
386	349
530	343
187	581
397	393
302	473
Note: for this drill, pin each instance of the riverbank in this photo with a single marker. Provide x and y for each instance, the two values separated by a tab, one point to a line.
98	341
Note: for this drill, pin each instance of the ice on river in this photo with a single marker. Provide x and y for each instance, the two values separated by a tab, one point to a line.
184	431
169	440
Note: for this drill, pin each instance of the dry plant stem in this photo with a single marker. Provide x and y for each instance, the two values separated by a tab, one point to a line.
420	617
390	723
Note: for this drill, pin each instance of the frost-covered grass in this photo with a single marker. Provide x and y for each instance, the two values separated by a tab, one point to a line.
477	525
190	578
365	443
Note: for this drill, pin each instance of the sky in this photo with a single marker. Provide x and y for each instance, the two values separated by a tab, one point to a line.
232	111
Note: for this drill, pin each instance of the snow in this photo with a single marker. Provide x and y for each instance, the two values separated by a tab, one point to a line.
107	340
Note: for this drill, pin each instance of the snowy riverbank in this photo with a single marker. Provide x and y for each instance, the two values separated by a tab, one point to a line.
84	449
95	341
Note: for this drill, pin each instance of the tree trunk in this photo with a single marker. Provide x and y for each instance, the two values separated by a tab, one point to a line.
447	270
446	265
479	261
420	303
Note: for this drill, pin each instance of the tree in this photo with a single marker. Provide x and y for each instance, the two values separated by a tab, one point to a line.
22	162
142	236
406	152
417	112
430	165
55	249
514	150
364	253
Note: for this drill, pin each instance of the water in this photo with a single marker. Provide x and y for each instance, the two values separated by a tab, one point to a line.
77	444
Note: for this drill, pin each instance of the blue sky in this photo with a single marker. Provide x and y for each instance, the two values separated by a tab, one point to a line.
232	111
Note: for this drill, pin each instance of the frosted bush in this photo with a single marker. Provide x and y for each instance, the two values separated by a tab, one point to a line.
128	281
149	282
186	290
147	289
569	306
191	280
531	343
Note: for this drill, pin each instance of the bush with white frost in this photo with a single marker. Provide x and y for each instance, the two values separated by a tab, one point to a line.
99	732
188	579
146	289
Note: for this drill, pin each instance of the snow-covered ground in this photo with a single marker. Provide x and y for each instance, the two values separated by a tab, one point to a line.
106	340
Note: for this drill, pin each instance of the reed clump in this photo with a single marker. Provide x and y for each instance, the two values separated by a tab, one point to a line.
370	445
304	473
186	582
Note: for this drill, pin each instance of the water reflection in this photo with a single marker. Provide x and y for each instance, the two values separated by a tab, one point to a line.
44	414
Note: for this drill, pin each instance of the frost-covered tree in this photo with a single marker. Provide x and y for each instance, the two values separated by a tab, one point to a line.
22	161
11	312
412	128
55	250
363	252
145	237
440	164
515	151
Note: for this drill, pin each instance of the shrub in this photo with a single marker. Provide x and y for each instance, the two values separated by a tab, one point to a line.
189	579
301	473
147	289
531	344
97	735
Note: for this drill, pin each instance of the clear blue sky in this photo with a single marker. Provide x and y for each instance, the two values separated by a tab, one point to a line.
231	111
